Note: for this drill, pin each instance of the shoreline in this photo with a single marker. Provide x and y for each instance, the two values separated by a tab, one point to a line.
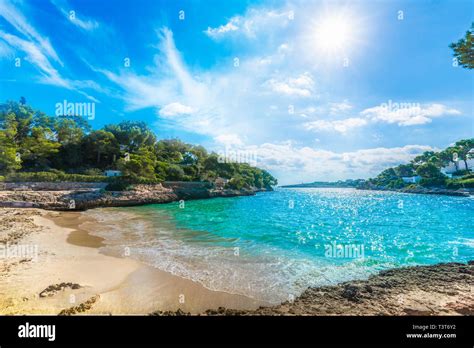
425	191
71	276
440	289
68	196
421	190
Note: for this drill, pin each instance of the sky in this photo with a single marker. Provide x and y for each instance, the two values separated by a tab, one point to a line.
310	90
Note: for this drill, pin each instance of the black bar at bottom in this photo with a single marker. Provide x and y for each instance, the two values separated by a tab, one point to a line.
341	330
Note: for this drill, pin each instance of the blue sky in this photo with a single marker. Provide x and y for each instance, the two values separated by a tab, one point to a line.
308	88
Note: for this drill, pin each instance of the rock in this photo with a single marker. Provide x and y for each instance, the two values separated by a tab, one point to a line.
83	307
418	311
351	292
414	290
53	289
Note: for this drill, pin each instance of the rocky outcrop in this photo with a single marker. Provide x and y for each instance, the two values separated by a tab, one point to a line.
442	289
88	198
438	191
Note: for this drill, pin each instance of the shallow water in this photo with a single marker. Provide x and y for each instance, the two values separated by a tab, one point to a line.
274	245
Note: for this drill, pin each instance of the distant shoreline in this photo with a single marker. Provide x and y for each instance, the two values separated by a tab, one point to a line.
419	190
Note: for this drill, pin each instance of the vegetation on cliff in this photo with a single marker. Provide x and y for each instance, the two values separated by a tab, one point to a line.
38	147
428	166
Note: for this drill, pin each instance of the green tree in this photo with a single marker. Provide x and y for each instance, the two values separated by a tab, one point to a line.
8	154
237	182
404	170
101	144
464	49
463	150
424	157
132	135
268	179
68	144
174	172
141	164
428	170
18	116
37	150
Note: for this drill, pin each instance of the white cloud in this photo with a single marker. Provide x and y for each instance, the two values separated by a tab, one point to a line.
341	126
229	139
283	48
300	86
49	74
225	100
408	114
35	55
337	108
5	50
75	18
253	22
232	25
304	164
39	51
174	109
19	22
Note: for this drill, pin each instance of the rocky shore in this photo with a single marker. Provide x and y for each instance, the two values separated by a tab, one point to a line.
82	196
442	289
466	192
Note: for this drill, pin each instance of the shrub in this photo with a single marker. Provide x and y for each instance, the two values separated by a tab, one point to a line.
468	176
2	178
461	172
468	183
36	176
52	177
429	182
124	183
93	172
140	180
236	183
118	184
460	183
396	184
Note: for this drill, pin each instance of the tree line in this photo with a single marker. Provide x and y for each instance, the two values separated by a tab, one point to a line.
428	166
32	142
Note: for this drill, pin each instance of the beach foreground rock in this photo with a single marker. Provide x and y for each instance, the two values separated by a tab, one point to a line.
442	289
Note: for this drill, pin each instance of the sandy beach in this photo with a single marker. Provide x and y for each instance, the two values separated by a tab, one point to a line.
79	279
50	265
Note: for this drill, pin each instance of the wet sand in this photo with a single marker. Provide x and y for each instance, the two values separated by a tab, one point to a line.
85	281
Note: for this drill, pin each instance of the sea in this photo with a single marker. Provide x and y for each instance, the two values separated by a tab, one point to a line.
274	245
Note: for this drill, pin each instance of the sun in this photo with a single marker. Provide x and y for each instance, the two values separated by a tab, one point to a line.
334	33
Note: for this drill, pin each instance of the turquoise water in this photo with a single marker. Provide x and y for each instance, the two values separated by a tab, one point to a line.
274	245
